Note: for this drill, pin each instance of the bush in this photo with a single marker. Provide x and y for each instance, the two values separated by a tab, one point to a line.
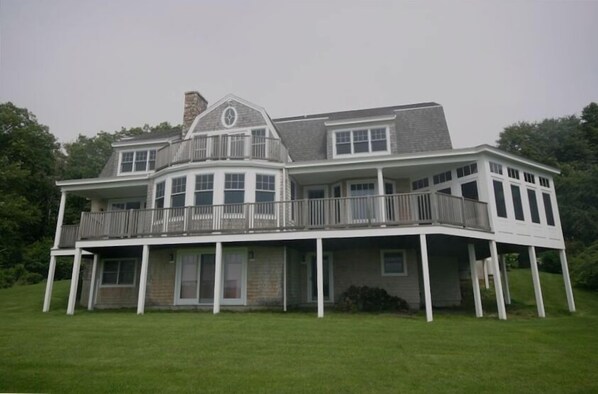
550	262
370	299
584	268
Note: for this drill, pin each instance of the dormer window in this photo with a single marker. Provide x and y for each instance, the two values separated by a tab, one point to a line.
360	141
138	161
229	117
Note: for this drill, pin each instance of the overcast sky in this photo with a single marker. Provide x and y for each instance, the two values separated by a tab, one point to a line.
86	66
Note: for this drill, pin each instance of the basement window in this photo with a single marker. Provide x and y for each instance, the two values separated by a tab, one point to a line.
119	272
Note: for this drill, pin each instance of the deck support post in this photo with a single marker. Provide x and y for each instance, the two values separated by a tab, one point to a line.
218	277
59	220
426	277
143	280
284	278
74	282
505	277
381	202
533	262
49	284
485	269
320	276
92	283
567	280
500	300
475	283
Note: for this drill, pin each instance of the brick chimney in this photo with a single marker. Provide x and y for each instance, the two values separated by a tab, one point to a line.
195	104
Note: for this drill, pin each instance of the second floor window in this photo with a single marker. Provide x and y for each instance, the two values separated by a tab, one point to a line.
234	192
177	192
138	161
264	193
204	190
159	199
361	141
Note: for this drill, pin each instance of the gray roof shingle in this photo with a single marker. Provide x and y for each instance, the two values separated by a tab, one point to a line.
419	127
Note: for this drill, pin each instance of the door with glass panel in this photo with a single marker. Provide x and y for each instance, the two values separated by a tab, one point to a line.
233	277
196	278
363	206
316	207
258	144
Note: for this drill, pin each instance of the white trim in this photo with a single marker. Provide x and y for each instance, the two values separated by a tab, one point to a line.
147	170
415	108
309	188
295	235
304	119
382	267
102	285
360	120
308	257
370	152
70	185
138	143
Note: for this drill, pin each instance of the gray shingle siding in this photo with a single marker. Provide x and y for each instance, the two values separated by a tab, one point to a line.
305	140
246	117
110	168
422	130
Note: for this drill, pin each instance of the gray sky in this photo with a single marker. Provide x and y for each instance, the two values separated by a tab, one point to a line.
86	66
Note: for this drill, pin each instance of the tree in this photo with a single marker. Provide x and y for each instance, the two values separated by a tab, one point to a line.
28	196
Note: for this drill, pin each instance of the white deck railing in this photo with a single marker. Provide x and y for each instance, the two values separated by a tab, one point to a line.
221	147
328	213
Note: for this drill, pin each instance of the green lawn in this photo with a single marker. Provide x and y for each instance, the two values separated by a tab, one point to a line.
276	352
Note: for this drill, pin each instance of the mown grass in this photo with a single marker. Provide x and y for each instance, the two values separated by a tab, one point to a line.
296	352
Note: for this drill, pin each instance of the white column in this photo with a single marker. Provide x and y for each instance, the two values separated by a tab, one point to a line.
143	280
381	202
74	282
485	269
284	278
500	301
49	284
567	280
426	276
505	276
475	283
533	262
59	220
320	278
92	283
218	278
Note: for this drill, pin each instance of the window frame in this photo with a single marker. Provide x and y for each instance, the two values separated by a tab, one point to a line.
265	207
150	161
178	193
383	272
117	285
162	197
223	117
351	142
197	191
229	208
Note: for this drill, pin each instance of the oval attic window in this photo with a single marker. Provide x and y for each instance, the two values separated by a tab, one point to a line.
229	117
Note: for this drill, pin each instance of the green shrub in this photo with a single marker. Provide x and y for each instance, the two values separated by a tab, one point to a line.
370	299
584	268
550	262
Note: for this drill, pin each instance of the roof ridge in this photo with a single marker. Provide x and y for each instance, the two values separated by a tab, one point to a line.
328	114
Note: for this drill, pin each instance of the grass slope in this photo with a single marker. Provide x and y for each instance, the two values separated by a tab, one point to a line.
296	352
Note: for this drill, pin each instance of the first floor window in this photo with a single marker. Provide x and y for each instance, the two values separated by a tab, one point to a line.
393	263
119	272
234	192
467	170
204	192
499	198
264	193
159	199
496	168
177	192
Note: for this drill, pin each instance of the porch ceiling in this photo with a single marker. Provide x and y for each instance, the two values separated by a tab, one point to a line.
107	192
335	174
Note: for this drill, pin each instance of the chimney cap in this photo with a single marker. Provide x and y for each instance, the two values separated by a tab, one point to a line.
195	92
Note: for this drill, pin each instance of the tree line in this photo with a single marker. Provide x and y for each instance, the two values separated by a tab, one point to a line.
32	160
